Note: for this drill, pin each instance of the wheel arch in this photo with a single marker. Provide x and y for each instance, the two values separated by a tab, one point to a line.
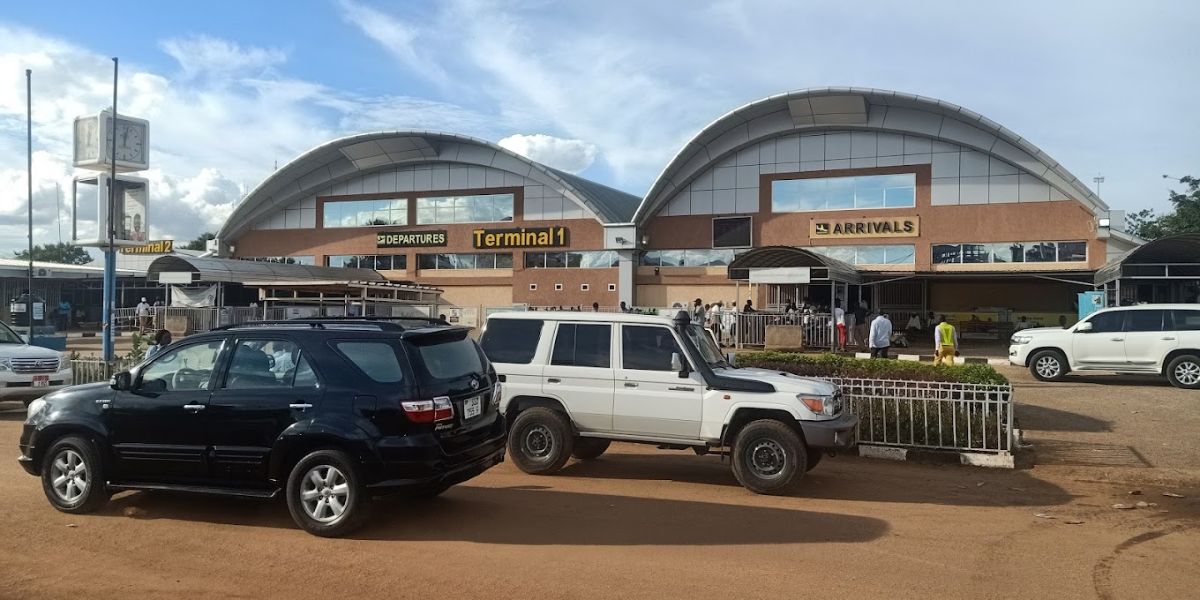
525	402
290	450
1055	349
741	416
1176	353
52	433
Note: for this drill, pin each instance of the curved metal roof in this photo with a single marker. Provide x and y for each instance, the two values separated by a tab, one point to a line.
769	257
1175	249
356	155
850	108
245	271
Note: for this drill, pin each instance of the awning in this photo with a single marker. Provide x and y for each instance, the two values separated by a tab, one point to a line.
776	257
1173	257
192	269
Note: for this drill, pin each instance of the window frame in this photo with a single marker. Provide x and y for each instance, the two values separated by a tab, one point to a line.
537	340
454	207
854	184
302	354
574	325
683	355
341	202
406	375
1163	315
713	231
219	365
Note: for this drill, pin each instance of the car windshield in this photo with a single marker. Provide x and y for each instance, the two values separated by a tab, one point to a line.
709	352
8	336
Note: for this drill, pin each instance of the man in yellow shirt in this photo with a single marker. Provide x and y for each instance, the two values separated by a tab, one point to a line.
945	342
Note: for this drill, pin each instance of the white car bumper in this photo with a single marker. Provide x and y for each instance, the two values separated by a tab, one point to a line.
1017	354
15	386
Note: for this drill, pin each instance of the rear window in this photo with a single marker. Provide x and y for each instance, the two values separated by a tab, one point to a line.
582	345
511	340
1186	320
376	360
451	359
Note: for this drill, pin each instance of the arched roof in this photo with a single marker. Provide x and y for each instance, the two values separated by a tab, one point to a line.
356	155
848	108
770	257
242	271
1179	249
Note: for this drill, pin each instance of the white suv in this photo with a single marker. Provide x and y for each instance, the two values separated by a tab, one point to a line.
1152	338
574	381
28	372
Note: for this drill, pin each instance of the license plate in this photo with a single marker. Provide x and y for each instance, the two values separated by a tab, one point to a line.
472	407
41	381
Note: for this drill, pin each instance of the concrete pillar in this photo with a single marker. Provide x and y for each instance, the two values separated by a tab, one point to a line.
626	284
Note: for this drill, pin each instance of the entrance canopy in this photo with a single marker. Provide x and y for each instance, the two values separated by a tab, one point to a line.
778	260
192	269
1174	257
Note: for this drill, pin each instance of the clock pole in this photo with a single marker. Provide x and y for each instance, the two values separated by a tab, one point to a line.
29	177
110	259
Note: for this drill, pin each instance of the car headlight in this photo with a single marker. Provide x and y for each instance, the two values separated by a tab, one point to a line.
1021	339
4	364
34	408
821	405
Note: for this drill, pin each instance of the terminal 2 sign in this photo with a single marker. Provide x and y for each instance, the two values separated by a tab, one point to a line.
881	227
410	239
522	237
154	247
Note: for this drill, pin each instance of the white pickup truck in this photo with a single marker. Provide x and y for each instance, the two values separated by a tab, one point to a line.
28	372
575	381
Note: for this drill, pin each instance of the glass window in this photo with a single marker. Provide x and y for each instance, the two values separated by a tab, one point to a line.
1007	253
647	348
503	261
376	360
465	209
901	255
464	261
946	254
652	258
535	260
870	255
1144	320
1107	322
1185	320
381	262
841	193
672	258
556	260
582	345
731	233
511	340
186	368
262	364
976	253
574	260
8	336
1040	252
1072	251
461	261
365	213
450	359
426	261
305	377
283	260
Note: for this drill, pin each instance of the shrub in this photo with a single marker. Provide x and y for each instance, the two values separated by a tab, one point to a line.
832	365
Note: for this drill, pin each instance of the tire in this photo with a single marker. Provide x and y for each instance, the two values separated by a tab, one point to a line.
320	483
1048	365
1184	372
814	459
767	455
541	441
73	476
589	448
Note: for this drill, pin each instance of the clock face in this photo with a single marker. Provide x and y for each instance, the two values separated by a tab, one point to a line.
85	140
131	141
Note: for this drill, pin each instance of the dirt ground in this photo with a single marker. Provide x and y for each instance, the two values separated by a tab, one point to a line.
647	523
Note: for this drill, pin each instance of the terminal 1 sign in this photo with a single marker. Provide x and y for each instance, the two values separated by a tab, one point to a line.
522	237
865	228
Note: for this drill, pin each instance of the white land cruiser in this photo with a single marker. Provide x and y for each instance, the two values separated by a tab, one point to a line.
575	381
1163	339
28	372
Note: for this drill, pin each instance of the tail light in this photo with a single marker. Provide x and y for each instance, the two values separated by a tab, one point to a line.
496	395
429	411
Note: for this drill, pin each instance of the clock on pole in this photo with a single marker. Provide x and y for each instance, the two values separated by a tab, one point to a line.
94	142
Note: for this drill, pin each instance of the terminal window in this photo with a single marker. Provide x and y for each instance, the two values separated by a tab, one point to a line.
899	254
465	209
596	259
844	193
502	260
688	258
731	233
365	213
283	260
379	262
1009	252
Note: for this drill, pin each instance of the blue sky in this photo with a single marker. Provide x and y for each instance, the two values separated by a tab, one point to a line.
608	89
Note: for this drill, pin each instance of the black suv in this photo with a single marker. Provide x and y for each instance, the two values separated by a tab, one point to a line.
329	412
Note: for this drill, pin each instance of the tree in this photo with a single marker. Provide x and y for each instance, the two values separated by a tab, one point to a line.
62	253
200	243
1184	216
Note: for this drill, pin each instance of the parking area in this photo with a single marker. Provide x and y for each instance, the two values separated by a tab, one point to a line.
647	523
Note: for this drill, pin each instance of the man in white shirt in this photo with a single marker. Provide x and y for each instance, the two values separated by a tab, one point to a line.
839	319
143	316
881	336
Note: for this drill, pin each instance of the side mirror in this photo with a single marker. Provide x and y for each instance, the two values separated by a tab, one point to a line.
1083	327
678	365
121	381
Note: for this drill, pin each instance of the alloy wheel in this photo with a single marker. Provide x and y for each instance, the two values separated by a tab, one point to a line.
325	493
70	476
1187	373
1048	367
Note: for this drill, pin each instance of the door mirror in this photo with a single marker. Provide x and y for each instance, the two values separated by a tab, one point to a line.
1083	327
678	365
121	381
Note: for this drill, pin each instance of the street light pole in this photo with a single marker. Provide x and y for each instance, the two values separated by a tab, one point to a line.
29	181
110	259
1099	179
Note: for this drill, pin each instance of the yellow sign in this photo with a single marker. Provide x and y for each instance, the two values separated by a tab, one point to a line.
866	228
522	237
410	239
155	247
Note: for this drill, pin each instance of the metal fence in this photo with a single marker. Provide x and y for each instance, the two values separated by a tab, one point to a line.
91	371
931	414
750	329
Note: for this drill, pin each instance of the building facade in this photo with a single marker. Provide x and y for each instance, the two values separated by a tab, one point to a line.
935	207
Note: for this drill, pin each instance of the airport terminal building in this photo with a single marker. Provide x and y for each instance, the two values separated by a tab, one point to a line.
911	203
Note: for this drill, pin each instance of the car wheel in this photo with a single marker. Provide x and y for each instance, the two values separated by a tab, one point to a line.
1048	365
325	495
814	459
1184	372
767	456
541	441
73	476
589	448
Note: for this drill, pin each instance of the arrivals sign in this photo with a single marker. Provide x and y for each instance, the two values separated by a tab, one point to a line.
522	237
154	247
879	227
410	239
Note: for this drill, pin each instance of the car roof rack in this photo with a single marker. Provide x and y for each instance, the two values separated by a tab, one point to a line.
376	322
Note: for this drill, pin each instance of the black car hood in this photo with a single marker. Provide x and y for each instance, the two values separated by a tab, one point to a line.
88	392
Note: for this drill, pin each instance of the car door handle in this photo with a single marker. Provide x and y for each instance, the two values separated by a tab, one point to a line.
630	384
193	407
553	380
300	406
1168	339
681	388
1118	339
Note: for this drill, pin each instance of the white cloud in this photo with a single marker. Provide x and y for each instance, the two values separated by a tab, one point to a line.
398	38
203	55
571	156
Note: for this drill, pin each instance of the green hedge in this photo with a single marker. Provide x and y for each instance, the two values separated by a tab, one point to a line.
832	365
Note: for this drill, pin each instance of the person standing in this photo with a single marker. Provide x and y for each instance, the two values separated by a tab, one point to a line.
880	336
839	321
64	314
729	322
143	316
595	307
749	307
698	311
162	339
945	342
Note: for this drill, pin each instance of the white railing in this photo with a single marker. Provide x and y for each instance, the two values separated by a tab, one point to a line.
91	371
933	415
751	328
